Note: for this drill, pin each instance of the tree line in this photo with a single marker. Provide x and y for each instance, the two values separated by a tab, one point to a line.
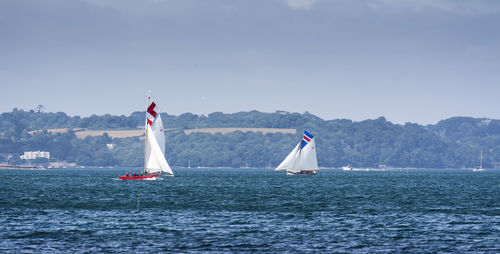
451	143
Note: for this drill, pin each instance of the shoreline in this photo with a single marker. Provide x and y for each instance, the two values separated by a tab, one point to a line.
14	167
20	167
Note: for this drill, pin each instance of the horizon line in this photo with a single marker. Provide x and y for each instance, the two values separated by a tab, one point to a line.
242	111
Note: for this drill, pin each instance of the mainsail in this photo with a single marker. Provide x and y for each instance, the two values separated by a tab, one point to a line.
155	161
302	158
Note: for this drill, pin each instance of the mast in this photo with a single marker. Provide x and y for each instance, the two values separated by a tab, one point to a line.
146	137
481	163
145	149
300	154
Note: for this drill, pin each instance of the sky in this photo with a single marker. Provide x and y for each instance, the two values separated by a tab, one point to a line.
417	61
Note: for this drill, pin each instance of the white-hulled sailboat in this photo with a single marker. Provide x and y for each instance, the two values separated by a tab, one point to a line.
302	160
480	168
154	148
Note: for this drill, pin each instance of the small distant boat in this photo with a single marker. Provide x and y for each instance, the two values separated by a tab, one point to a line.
302	160
355	169
480	168
347	168
154	148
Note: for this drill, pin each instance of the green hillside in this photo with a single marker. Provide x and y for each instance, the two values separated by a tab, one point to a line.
451	143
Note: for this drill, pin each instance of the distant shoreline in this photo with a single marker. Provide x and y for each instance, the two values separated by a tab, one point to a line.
19	167
3	167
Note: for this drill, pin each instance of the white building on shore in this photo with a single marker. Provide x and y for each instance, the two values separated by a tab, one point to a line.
31	155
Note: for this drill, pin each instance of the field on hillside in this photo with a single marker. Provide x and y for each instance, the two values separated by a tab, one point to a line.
228	130
83	133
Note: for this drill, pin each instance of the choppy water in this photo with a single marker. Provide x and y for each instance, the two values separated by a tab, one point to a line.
250	210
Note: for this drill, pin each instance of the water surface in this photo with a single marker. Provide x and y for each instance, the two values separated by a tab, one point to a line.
250	210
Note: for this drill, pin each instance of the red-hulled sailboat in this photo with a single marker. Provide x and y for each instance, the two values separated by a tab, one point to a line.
154	148
140	177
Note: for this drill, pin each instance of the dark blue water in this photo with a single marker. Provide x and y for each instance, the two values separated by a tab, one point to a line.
250	210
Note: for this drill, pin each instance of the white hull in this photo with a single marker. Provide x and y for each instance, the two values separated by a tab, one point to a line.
355	169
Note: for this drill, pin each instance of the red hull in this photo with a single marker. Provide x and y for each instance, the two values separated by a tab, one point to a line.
138	177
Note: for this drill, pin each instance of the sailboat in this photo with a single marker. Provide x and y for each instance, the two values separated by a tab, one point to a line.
302	160
347	168
480	168
154	148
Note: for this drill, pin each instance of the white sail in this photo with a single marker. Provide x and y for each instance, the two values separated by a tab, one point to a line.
480	168
157	128
155	161
308	159
302	157
290	162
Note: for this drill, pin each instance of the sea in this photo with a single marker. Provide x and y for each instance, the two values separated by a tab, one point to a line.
250	211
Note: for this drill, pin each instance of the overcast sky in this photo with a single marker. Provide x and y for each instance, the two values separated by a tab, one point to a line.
408	60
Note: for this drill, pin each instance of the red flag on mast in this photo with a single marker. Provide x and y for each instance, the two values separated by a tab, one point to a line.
152	113
151	109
